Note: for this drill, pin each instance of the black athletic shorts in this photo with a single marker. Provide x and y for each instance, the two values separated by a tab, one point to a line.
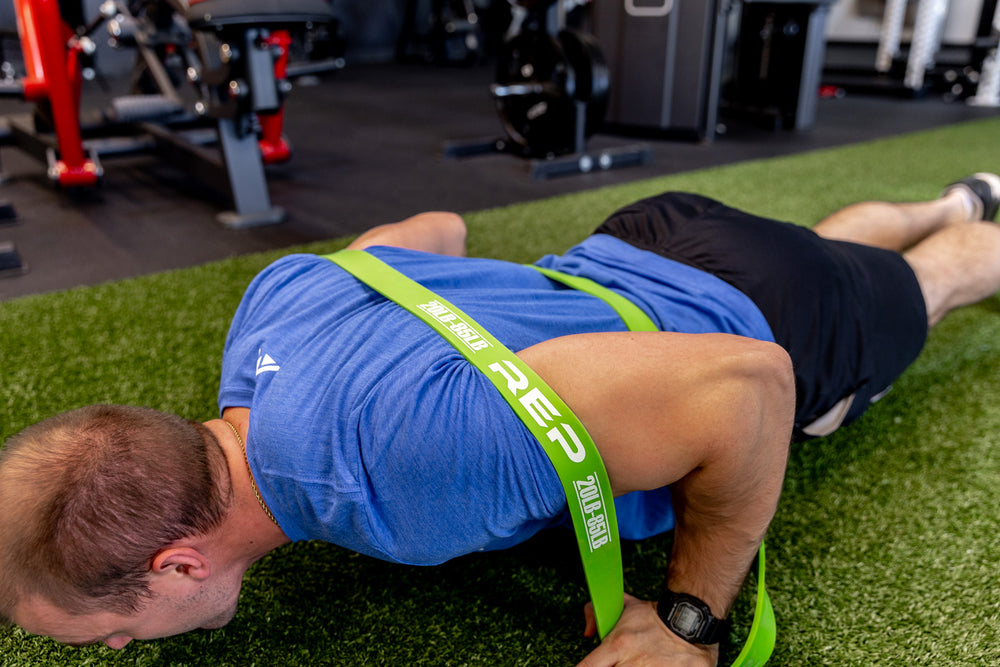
851	317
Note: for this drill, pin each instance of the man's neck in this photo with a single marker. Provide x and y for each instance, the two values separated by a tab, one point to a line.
248	533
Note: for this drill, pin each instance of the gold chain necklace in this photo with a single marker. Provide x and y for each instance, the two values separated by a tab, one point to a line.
253	484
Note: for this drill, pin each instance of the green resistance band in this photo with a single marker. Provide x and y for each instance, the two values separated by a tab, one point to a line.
558	431
551	422
763	630
633	316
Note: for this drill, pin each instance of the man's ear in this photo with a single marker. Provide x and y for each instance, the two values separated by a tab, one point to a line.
187	561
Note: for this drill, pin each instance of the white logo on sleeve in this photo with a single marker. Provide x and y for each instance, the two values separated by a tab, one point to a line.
266	364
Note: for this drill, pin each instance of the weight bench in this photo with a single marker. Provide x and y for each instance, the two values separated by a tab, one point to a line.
246	79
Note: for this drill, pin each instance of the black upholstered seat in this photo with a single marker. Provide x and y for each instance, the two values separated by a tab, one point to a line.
222	13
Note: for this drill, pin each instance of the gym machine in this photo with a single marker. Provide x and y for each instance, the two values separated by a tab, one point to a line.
915	53
446	31
666	56
551	93
778	62
927	42
678	62
222	128
988	86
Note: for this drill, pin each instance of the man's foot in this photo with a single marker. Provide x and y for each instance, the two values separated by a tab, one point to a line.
984	189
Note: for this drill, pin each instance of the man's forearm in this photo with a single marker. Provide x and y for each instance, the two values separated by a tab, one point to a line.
724	506
708	415
711	558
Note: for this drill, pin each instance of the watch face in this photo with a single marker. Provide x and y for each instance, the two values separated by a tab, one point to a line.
687	618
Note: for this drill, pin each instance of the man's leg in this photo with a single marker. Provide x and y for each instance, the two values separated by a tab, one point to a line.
957	266
955	256
901	226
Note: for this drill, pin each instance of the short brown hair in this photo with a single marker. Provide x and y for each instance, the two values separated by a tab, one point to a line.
88	497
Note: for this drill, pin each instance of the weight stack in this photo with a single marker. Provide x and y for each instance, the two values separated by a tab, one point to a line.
665	61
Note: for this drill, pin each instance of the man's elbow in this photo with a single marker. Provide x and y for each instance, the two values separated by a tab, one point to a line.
444	231
780	376
763	437
768	387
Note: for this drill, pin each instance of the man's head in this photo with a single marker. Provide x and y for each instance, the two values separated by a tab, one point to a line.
93	500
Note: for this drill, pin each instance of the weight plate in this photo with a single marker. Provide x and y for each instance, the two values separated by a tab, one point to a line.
534	94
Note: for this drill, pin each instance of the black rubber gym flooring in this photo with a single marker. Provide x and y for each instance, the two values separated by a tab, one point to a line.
368	149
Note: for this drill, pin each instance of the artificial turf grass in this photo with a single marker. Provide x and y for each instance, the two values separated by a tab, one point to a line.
883	551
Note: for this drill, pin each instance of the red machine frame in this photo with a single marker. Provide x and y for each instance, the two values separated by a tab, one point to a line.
52	53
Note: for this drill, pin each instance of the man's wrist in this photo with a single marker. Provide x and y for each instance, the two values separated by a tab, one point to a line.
690	618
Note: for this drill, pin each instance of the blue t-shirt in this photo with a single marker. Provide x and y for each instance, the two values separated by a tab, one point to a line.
369	430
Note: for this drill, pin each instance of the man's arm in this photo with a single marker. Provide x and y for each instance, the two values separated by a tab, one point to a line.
711	416
435	231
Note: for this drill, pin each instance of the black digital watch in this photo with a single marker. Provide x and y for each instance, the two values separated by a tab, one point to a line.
690	618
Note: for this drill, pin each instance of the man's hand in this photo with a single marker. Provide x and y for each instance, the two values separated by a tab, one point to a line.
640	639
